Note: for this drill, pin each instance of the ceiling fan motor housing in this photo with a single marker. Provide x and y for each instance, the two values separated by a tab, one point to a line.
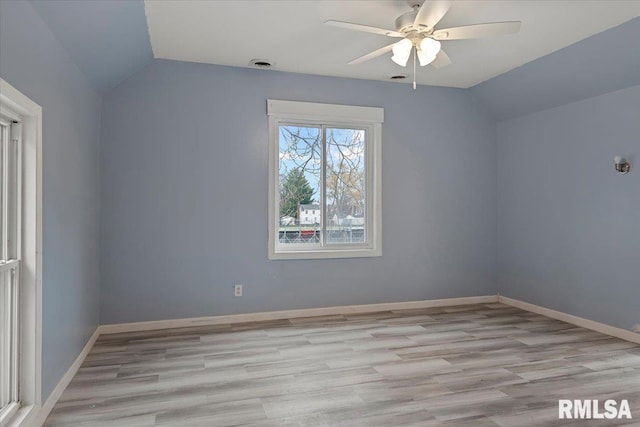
405	21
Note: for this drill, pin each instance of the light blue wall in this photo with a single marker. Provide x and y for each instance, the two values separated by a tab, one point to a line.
599	64
569	225
35	63
184	187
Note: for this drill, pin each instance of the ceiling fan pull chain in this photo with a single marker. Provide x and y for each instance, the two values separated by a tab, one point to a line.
414	68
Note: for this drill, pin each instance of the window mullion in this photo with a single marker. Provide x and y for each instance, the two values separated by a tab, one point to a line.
368	206
323	198
16	138
4	193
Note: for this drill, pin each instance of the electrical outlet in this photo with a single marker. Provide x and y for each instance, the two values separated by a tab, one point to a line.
237	290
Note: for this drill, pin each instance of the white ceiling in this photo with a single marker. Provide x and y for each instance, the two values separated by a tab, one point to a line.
292	34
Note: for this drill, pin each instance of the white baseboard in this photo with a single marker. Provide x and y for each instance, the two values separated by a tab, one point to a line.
46	408
574	320
290	314
41	415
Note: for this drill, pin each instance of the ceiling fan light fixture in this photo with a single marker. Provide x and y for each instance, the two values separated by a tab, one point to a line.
425	59
430	47
402	52
401	61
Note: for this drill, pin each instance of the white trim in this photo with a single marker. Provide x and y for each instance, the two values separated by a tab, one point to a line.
39	418
327	115
24	416
574	320
335	113
291	314
8	413
46	408
4	111
31	245
16	135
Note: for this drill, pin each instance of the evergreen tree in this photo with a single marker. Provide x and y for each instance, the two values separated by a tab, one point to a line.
295	191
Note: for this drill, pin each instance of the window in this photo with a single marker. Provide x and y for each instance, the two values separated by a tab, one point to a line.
324	161
20	257
10	162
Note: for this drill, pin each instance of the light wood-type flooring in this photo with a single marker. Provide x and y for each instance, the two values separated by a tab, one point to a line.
474	365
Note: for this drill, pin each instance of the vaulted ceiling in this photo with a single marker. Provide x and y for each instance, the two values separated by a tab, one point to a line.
293	34
107	39
600	64
110	40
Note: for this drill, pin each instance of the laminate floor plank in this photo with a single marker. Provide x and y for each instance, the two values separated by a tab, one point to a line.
474	365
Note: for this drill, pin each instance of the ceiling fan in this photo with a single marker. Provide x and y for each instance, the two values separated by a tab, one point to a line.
420	37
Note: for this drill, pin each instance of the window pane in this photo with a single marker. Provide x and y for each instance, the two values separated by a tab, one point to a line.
300	172
345	185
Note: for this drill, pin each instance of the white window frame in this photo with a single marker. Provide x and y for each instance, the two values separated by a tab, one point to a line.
14	104
10	255
328	115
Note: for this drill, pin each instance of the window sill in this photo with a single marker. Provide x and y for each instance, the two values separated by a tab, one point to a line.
325	254
24	417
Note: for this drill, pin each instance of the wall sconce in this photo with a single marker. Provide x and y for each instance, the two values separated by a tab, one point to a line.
622	165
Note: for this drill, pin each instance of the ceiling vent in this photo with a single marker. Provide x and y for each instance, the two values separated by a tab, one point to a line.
260	63
398	76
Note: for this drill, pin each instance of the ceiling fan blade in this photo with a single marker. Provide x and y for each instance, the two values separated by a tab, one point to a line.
477	31
431	12
442	60
364	28
372	55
